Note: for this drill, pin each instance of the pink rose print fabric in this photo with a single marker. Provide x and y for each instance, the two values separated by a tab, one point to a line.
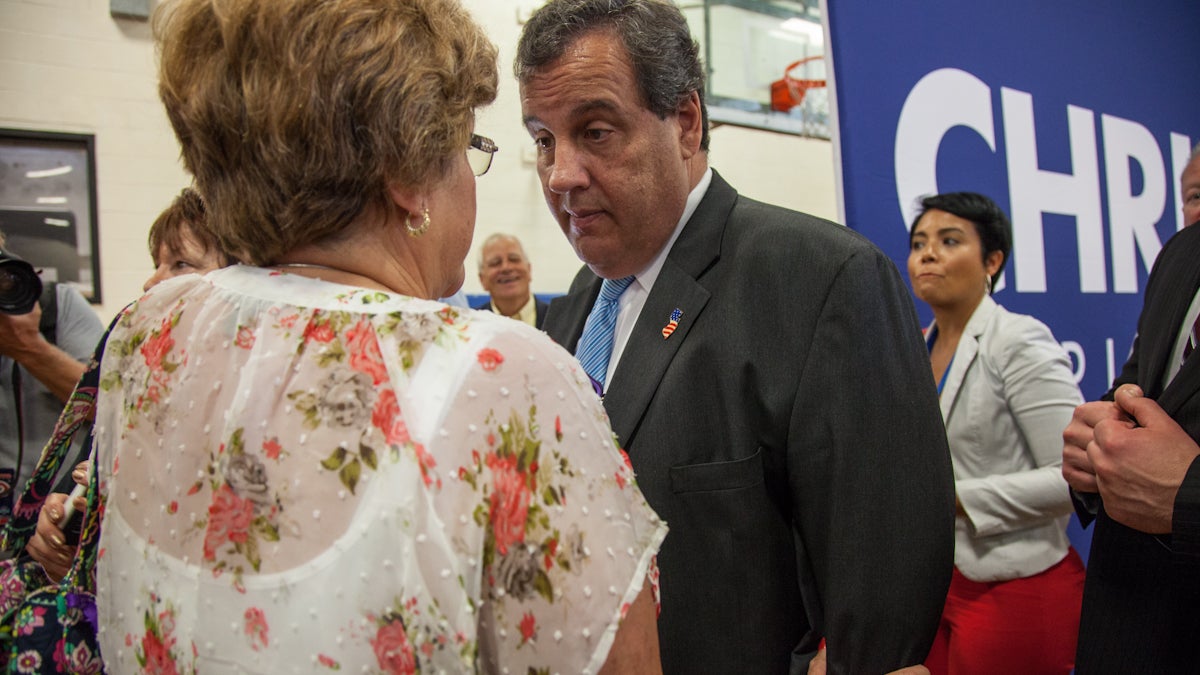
300	475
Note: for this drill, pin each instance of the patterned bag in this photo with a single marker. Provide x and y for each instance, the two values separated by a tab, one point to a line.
48	627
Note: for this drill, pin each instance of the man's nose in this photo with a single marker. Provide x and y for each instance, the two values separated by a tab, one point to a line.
568	172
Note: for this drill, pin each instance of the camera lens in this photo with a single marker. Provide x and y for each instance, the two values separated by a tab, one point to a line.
20	286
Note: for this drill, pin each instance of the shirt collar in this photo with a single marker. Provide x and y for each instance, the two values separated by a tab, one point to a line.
527	313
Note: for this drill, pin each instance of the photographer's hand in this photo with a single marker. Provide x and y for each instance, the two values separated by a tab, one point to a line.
19	332
21	341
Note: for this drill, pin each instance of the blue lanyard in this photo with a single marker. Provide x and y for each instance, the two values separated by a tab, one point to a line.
929	340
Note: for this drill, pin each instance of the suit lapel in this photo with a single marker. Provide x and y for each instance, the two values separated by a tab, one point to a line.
1184	279
1183	387
1171	306
1186	383
647	353
964	356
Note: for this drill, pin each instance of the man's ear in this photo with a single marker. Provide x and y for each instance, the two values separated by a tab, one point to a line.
691	124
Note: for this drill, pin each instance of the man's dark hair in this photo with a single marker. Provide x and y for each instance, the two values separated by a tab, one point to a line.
991	224
666	60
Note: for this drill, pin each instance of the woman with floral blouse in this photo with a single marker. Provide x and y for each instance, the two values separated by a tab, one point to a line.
307	464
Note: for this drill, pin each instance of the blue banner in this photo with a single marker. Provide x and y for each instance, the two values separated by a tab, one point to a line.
1076	117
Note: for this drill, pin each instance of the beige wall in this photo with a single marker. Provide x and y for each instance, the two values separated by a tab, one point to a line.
67	65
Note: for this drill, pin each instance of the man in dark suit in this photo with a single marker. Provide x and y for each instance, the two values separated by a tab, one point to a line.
505	273
766	375
1130	459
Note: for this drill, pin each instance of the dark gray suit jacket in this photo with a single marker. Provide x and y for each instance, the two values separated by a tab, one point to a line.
788	432
1141	601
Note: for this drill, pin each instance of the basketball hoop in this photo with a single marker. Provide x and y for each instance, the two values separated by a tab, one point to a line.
788	92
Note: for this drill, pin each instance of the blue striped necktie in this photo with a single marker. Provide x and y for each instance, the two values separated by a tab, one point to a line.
596	343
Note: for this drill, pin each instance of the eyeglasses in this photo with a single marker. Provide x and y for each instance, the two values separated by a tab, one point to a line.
479	154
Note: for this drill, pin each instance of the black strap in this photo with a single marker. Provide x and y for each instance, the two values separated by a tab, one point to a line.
49	302
48	326
20	412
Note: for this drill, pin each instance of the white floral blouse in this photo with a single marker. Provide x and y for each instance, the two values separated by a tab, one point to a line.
301	476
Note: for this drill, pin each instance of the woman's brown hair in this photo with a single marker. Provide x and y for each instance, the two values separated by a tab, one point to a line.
295	116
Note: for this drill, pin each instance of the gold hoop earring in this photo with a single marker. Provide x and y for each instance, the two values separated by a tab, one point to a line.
417	231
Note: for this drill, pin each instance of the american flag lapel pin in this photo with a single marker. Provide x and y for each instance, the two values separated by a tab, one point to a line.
672	324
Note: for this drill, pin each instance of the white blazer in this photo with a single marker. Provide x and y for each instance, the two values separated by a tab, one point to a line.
1007	397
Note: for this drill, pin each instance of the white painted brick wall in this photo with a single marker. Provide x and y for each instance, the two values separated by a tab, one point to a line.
67	65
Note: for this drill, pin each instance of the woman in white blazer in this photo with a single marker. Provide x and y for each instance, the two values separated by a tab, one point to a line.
1007	393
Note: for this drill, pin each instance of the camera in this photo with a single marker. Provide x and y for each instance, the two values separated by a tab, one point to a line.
20	286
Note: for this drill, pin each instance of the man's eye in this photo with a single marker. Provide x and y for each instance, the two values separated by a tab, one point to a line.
543	143
596	134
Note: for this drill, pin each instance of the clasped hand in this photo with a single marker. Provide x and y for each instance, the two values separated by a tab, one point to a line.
1133	454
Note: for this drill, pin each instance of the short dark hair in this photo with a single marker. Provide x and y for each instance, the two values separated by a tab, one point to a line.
666	60
990	221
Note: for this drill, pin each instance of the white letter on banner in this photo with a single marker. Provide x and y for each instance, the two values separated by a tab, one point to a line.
1131	218
1079	361
1181	154
1112	362
1033	192
938	102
